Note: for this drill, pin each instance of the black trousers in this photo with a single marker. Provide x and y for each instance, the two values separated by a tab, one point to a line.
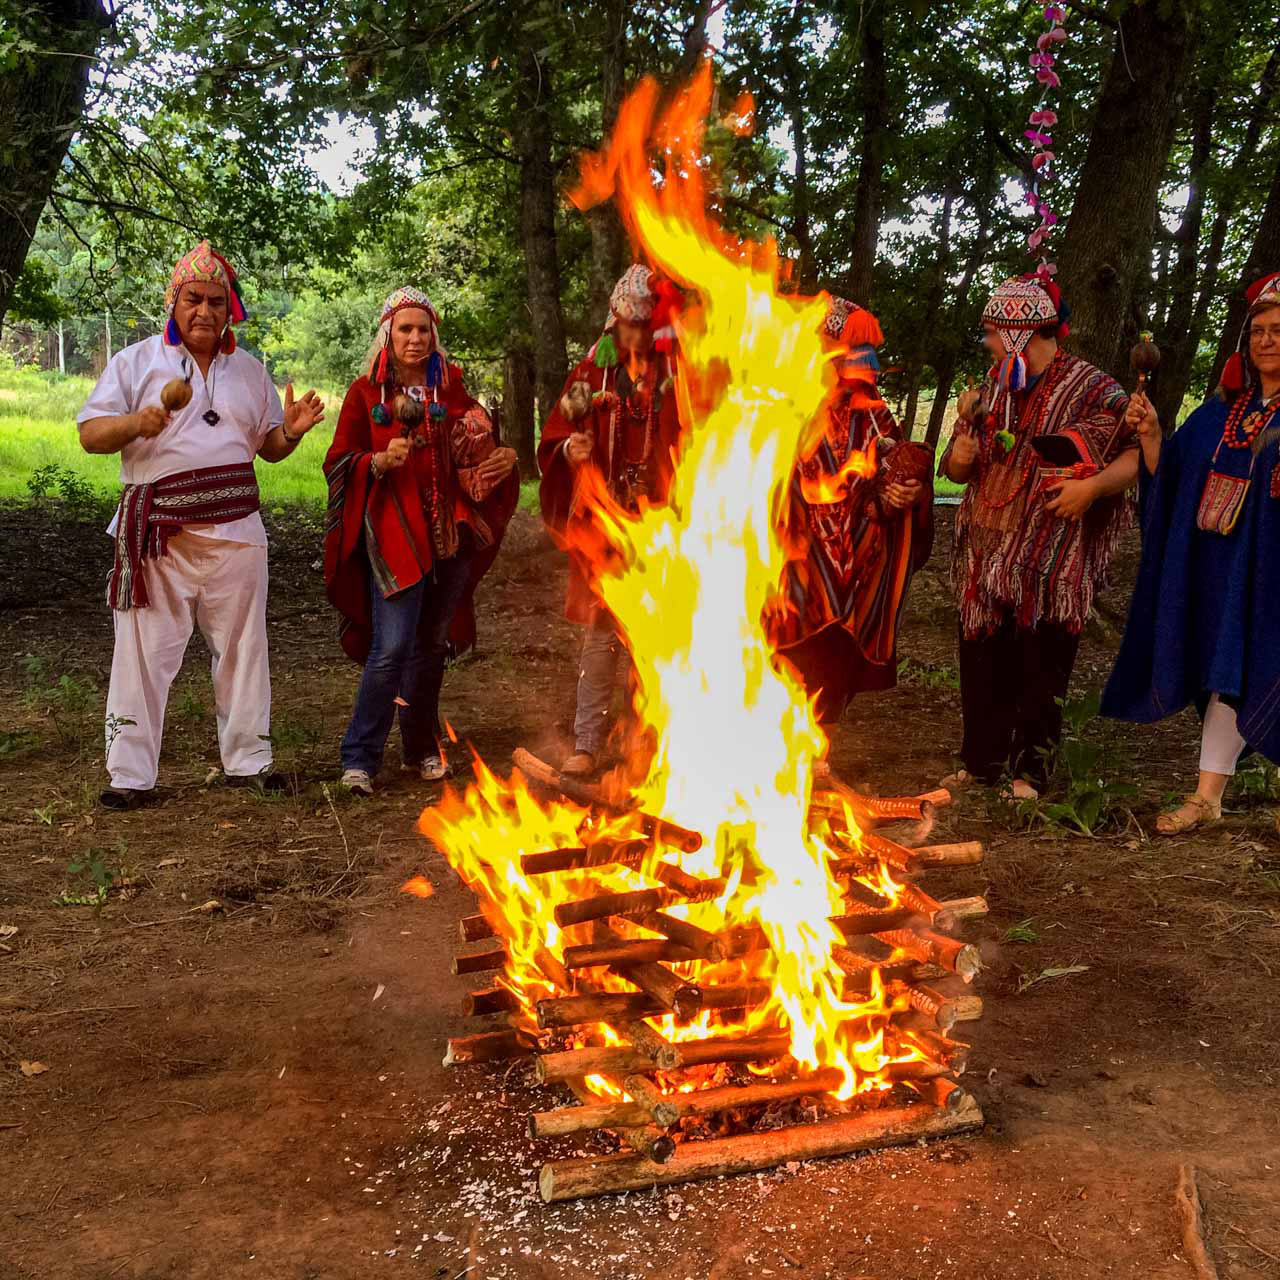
1010	682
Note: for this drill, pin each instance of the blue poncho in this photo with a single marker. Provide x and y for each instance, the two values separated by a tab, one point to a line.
1205	616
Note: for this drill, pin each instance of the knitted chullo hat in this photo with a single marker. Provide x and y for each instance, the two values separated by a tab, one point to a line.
381	365
1016	311
855	328
202	265
1238	373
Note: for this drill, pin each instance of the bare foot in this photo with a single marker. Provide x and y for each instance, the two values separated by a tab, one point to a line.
1021	789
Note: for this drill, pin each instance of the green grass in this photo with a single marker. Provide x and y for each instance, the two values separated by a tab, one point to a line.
38	428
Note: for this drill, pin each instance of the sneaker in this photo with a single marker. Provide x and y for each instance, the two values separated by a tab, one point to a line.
357	781
432	769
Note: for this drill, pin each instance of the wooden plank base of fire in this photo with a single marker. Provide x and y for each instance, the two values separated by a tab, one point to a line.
731	1099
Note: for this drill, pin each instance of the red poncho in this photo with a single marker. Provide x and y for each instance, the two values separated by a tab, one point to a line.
852	554
395	528
620	440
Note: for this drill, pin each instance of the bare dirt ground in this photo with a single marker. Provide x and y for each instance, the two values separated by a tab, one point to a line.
256	1090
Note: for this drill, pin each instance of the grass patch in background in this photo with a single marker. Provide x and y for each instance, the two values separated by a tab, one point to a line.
38	429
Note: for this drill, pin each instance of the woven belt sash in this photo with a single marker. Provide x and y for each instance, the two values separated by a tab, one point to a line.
150	513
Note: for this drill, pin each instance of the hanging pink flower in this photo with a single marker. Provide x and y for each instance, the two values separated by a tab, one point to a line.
1049	78
1055	13
1040	139
1044	117
1041	159
1054	36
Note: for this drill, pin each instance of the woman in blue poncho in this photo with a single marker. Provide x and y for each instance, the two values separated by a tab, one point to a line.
1204	625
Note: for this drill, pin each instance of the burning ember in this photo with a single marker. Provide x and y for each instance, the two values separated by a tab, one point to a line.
721	899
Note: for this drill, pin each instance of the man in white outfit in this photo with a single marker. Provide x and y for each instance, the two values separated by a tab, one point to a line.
190	547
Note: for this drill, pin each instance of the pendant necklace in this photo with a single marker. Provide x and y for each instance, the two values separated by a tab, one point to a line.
211	415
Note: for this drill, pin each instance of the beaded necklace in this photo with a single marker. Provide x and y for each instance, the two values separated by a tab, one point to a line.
1243	428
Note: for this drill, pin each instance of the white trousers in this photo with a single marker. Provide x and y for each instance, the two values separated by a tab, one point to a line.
1220	742
221	587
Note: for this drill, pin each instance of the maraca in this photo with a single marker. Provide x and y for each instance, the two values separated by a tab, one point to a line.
1144	359
175	394
408	412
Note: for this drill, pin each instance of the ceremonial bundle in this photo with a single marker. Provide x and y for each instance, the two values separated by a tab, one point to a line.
720	951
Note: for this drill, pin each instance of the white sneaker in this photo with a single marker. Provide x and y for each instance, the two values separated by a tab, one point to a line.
357	781
433	769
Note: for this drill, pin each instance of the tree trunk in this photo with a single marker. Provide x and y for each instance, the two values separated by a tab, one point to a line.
519	425
945	372
1225	201
1177	339
531	132
1105	252
41	101
608	238
868	196
1263	257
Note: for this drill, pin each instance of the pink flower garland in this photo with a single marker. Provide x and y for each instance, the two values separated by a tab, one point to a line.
1043	119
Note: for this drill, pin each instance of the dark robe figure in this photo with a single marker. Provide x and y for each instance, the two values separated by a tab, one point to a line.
859	525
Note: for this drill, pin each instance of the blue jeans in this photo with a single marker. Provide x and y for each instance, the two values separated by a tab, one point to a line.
601	649
410	643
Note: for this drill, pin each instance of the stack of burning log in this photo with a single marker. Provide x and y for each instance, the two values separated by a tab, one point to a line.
633	977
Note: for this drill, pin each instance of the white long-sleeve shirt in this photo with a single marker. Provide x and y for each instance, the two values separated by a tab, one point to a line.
237	388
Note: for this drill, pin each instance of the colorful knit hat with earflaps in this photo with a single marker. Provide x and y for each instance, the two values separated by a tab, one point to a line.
381	366
1237	373
203	266
1016	310
856	329
634	299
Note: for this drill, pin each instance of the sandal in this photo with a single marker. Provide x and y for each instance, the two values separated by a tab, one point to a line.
1194	811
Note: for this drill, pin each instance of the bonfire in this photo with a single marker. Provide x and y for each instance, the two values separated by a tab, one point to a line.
721	932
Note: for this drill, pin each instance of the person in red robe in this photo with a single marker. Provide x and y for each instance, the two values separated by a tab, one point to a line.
419	497
614	430
859	524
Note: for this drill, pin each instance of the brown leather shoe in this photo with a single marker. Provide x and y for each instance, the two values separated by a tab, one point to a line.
579	765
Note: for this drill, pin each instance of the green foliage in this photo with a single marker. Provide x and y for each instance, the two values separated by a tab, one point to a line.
78	496
928	675
90	867
1258	782
1088	790
1024	931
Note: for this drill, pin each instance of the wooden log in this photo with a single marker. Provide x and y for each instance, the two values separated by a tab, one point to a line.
644	1139
945	1011
946	1094
857	984
603	905
960	911
626	951
673	993
565	1121
475	929
651	1099
901	808
860	924
917	1070
492	1000
857	1131
690	888
740	940
649	1040
583	793
602	853
601	1060
699	941
932	948
586	793
488	1046
614	1007
480	961
664	832
755	1047
965	854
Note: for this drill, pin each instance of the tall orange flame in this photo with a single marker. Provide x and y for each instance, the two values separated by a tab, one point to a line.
734	738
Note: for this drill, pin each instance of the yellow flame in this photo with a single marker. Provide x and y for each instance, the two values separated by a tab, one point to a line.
733	736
